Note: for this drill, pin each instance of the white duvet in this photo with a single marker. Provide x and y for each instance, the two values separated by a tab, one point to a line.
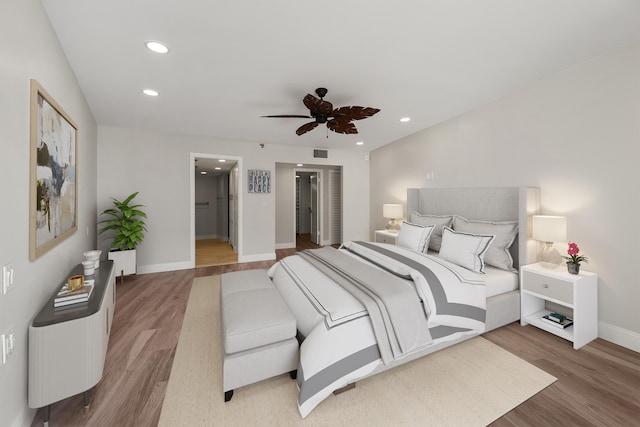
339	344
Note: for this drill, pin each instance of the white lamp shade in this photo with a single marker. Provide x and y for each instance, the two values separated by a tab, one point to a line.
549	228
391	211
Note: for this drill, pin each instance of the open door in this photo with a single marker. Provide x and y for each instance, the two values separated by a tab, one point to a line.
314	209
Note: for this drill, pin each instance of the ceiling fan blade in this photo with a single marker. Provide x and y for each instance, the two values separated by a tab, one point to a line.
295	116
341	125
317	106
354	112
306	128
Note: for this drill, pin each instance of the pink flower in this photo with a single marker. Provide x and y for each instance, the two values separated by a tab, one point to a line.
573	249
573	257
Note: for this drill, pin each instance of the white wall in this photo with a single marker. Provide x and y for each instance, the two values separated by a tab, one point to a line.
158	165
29	49
576	136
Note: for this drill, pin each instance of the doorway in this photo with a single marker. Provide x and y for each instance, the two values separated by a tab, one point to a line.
309	205
215	206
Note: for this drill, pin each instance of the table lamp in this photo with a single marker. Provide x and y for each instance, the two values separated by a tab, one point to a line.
393	212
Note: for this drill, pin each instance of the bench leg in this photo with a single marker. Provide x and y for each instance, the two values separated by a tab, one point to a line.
228	395
293	374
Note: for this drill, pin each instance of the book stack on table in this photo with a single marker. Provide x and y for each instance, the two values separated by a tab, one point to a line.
558	320
66	297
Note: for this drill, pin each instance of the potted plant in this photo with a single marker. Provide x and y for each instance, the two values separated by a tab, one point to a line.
574	260
126	221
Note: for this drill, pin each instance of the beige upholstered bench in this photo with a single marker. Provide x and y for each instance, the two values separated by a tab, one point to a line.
258	330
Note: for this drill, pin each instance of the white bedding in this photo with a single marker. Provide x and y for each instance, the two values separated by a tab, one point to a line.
340	345
498	281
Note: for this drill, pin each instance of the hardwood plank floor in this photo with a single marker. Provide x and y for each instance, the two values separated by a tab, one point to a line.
598	385
210	252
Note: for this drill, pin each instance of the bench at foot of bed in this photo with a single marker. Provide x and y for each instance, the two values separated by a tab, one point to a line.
258	331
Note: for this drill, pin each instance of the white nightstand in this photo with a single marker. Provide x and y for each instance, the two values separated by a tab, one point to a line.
575	294
385	236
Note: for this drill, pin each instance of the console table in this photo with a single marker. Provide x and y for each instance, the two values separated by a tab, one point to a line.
68	345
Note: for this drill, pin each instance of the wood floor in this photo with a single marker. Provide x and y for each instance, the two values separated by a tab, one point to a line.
210	252
598	385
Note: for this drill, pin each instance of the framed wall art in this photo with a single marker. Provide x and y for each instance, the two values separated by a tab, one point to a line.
259	181
53	183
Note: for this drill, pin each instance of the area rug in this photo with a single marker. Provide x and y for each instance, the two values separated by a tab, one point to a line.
469	384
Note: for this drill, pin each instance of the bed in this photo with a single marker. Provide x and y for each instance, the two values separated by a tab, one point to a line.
367	307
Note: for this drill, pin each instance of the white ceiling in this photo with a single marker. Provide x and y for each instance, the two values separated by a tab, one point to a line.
231	62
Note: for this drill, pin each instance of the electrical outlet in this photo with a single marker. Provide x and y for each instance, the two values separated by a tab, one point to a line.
7	278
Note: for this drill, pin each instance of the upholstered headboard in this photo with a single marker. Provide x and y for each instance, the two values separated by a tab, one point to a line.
485	204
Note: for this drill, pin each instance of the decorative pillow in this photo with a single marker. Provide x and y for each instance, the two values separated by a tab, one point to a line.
414	236
498	254
465	249
438	221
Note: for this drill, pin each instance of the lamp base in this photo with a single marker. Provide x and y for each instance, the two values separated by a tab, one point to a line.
393	225
549	257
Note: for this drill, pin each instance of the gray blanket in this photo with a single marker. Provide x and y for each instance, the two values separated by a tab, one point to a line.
397	315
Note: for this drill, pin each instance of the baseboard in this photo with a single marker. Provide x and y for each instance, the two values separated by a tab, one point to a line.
620	336
24	417
159	268
285	245
257	257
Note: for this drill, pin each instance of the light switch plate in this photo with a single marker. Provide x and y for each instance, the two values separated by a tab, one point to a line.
7	278
8	344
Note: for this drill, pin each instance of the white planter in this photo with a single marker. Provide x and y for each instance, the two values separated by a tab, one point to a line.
124	261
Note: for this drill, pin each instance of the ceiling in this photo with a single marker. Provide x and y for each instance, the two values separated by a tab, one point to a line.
231	62
213	166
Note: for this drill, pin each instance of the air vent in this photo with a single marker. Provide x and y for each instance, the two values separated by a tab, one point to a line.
321	154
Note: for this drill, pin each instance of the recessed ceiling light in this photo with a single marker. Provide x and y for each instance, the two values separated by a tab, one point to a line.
156	47
359	143
405	119
150	92
203	173
218	168
299	165
222	160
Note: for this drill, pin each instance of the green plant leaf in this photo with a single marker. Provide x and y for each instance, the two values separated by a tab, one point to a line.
124	220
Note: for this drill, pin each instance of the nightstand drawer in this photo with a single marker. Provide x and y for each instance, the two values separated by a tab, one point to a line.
548	286
384	236
385	239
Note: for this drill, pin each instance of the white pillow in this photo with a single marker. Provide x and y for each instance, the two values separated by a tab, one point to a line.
464	249
439	221
498	254
414	236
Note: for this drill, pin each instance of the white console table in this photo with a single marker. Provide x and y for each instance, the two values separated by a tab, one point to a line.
68	345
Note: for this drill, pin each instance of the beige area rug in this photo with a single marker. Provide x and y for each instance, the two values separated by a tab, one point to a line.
469	384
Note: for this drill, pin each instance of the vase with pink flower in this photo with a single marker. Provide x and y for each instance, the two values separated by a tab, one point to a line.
574	259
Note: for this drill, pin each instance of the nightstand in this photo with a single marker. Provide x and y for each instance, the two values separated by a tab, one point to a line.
385	236
574	295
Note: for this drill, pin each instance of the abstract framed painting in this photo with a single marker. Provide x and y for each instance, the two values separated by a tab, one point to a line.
53	183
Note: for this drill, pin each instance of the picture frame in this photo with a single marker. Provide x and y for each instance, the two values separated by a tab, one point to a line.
259	181
53	175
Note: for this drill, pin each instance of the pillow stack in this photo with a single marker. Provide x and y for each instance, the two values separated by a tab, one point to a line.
414	236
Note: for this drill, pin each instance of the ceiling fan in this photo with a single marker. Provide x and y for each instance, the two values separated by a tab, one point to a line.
338	120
